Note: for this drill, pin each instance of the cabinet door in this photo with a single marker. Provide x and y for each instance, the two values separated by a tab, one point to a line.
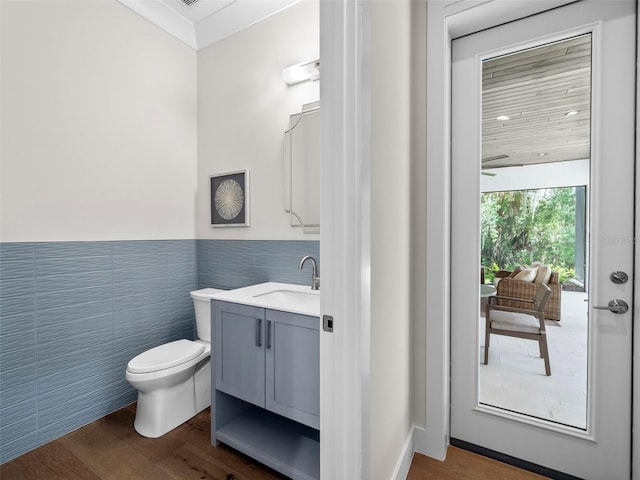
239	351
293	366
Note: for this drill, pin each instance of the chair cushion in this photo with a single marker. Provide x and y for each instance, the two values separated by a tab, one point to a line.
527	274
516	271
544	274
514	322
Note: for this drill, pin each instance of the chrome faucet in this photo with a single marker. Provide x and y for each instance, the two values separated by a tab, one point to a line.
315	279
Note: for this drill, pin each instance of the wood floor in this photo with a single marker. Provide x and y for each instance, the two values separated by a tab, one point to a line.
110	449
463	465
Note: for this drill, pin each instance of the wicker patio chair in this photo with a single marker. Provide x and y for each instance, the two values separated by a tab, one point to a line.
519	289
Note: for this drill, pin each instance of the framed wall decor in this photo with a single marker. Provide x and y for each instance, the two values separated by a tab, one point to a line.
230	199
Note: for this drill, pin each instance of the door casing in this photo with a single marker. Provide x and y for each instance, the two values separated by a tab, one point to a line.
445	22
345	98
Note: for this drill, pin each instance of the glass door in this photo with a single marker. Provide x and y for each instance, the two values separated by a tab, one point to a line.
542	193
535	167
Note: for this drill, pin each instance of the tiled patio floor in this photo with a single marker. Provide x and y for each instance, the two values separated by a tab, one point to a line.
514	379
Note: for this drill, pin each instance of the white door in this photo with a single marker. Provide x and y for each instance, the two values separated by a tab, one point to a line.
600	446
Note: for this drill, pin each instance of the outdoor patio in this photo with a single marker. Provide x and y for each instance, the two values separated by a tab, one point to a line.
515	379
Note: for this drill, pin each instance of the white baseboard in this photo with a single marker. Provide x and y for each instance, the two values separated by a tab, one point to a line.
416	442
406	455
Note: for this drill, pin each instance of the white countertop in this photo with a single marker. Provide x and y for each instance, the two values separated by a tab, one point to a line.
286	297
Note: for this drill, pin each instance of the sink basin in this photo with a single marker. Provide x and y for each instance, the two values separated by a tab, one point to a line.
289	296
285	297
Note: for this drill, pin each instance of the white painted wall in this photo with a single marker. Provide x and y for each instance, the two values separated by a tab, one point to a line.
243	111
98	133
390	363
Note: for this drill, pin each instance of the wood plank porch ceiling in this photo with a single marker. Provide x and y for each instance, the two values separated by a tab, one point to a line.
536	89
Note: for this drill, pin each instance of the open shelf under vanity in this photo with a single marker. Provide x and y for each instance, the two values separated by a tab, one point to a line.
282	444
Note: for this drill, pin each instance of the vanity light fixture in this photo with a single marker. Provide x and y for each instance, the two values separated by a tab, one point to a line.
301	72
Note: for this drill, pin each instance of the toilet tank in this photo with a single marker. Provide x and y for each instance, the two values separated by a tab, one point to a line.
202	305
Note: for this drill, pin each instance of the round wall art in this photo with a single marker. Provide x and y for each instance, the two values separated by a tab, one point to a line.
229	199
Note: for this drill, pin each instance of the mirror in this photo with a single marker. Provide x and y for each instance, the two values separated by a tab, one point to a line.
302	168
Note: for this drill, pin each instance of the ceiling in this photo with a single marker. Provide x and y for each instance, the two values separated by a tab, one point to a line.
200	23
537	89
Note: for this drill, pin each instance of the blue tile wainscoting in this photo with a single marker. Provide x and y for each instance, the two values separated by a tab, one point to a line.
231	264
72	314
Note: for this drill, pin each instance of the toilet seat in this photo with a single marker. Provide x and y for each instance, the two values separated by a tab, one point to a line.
165	356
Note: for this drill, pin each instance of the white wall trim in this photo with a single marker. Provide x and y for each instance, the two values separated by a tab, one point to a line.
406	455
237	16
437	238
200	33
345	238
635	407
161	15
419	439
447	20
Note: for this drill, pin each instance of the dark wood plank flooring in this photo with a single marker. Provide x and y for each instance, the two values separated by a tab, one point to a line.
463	465
110	449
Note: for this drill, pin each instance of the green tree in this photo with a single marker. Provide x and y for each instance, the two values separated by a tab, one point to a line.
525	226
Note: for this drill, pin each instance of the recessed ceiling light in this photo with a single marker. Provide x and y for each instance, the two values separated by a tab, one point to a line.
543	154
571	113
503	118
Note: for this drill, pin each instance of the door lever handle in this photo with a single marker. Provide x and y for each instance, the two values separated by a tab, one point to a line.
616	306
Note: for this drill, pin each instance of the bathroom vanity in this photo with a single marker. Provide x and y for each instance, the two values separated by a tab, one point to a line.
266	376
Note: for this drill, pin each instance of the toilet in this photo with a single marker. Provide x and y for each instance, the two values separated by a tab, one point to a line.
174	380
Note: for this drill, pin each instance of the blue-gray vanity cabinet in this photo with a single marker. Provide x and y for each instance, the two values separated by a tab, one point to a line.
293	366
266	386
239	351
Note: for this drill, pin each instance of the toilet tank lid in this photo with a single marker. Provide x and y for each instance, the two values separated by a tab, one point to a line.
165	356
205	293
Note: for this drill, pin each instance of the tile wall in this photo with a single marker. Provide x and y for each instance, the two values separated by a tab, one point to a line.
72	314
230	264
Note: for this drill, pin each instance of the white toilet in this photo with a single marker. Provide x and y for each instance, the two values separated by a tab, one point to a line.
174	380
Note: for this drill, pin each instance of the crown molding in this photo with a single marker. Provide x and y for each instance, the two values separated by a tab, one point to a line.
202	25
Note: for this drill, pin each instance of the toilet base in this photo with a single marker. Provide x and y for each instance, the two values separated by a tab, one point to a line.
160	411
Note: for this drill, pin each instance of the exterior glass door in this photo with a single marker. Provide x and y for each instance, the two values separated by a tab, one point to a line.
535	167
544	190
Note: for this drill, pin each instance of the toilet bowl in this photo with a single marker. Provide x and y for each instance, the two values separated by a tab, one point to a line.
174	380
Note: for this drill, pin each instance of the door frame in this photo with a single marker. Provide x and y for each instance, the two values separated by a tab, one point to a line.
635	409
345	240
447	20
